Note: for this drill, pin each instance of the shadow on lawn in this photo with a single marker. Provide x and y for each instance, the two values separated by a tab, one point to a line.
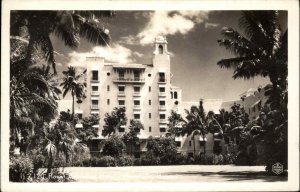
236	176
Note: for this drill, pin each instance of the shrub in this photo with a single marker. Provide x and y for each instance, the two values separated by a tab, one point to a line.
38	162
218	159
125	161
20	169
150	159
113	146
209	159
137	162
60	176
106	161
229	159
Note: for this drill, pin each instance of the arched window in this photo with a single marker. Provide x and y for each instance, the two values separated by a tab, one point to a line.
171	95
160	49
175	95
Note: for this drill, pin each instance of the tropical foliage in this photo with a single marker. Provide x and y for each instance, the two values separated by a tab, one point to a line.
114	121
262	51
131	138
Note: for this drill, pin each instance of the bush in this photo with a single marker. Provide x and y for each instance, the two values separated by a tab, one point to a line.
137	162
229	159
150	159
113	146
106	161
125	161
39	161
20	169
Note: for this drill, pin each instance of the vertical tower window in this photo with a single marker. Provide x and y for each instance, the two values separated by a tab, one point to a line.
149	115
149	88
160	49
121	75
175	95
171	95
108	88
162	77
108	101
150	129
149	102
95	75
136	75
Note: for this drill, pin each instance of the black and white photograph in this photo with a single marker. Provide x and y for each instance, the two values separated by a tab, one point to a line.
150	96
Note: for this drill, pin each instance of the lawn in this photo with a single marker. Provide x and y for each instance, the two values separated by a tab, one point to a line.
183	173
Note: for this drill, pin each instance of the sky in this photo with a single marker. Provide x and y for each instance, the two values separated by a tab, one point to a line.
192	42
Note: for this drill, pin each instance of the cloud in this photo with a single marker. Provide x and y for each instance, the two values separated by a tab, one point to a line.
114	53
169	23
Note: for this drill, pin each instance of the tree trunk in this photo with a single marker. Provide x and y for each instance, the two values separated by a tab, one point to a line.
73	103
194	146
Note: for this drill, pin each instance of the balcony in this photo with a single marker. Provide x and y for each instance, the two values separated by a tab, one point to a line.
129	80
162	94
162	108
163	121
136	94
95	93
94	107
94	80
121	94
136	107
162	80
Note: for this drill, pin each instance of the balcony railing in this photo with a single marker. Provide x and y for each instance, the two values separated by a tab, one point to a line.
136	94
162	107
95	93
121	94
129	80
138	107
94	80
94	107
162	94
163	121
162	80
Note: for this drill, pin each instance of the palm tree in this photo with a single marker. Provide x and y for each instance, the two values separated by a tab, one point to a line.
196	124
262	51
131	138
67	25
114	120
71	83
176	122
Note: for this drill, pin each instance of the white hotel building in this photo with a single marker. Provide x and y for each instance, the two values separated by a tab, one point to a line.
145	91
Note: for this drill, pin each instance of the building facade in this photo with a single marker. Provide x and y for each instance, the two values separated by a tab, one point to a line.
146	92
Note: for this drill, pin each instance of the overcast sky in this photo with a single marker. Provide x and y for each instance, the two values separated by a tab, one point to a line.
192	41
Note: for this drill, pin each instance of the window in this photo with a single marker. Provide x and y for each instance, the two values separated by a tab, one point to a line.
108	88
94	88
160	49
121	75
149	102
136	75
162	102
162	130
253	109
136	89
95	75
121	102
161	77
149	88
136	102
79	115
171	95
121	89
94	102
108	101
190	143
149	115
162	89
149	74
162	116
150	129
178	143
108	74
137	116
175	95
